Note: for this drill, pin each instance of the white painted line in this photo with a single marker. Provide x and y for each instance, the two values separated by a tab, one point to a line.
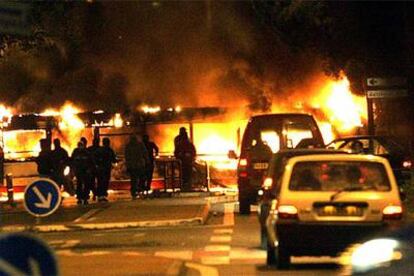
87	215
139	235
186	255
245	253
70	243
214	248
220	239
203	270
132	253
51	228
228	214
95	253
223	231
215	260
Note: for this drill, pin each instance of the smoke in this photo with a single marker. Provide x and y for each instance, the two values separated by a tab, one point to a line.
201	53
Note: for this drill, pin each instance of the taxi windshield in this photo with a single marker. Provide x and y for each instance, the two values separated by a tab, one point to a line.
339	175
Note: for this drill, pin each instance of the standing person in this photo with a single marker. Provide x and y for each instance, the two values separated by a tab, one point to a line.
44	160
83	165
181	136
104	159
153	151
94	151
186	153
84	141
60	159
136	159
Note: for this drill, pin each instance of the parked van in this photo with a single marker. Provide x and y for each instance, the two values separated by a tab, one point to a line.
267	134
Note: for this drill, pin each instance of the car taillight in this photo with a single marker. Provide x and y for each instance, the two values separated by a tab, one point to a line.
243	162
267	183
242	168
407	164
243	174
392	212
287	212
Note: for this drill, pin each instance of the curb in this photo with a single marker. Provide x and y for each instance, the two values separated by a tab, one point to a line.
198	220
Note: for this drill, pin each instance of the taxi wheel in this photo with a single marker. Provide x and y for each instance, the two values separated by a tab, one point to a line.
244	207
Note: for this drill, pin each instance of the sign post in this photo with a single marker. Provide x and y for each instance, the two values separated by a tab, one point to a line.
382	88
42	197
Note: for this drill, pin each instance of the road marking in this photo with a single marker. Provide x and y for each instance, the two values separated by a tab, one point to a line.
216	248
139	235
223	231
132	253
70	244
246	253
226	238
203	270
215	260
228	214
87	215
63	243
186	255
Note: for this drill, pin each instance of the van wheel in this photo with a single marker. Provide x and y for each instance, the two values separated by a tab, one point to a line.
263	238
244	206
271	256
283	258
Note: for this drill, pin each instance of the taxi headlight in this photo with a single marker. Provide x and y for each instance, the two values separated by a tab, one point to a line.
374	253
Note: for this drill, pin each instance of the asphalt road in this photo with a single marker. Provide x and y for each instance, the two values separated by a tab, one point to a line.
227	245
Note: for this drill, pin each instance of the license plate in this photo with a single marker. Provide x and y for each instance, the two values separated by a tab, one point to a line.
260	166
343	211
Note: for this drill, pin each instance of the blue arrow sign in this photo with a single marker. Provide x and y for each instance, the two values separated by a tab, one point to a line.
25	255
42	197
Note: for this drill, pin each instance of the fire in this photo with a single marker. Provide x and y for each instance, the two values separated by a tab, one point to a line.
150	109
21	144
70	125
5	115
117	121
344	110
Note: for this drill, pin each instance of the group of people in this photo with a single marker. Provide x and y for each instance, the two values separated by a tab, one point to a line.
139	160
92	165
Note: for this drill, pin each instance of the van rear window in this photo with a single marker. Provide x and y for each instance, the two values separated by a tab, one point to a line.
335	175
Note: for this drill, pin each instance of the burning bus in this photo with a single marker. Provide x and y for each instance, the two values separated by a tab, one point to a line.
22	133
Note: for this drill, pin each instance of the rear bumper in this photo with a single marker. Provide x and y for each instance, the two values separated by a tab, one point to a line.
248	188
320	239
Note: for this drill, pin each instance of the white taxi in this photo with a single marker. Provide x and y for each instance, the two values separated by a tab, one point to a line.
323	203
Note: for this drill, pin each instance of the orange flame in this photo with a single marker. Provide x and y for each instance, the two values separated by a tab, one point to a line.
344	110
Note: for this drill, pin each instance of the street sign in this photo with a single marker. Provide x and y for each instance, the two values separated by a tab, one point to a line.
386	82
14	17
42	197
389	93
25	255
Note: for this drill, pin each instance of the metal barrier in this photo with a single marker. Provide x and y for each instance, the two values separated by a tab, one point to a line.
10	189
169	169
